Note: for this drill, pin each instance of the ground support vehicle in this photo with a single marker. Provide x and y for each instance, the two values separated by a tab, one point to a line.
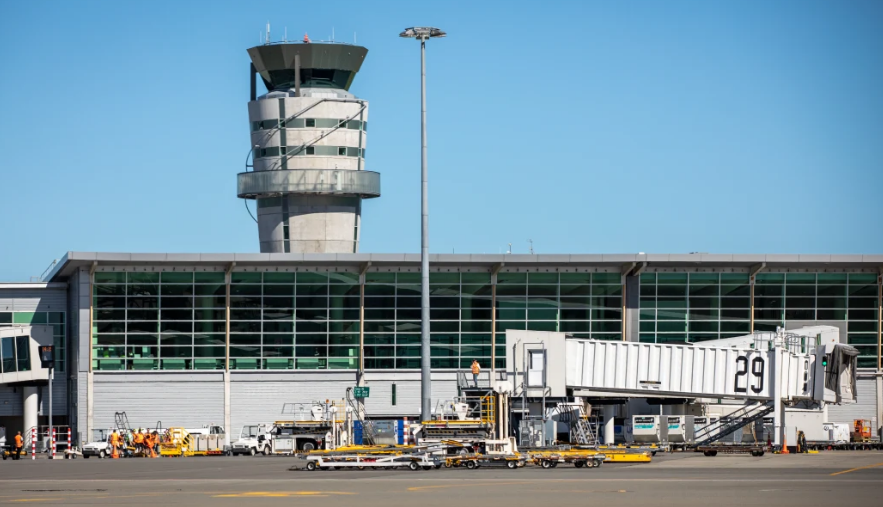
415	462
844	446
579	460
178	442
472	461
755	450
611	454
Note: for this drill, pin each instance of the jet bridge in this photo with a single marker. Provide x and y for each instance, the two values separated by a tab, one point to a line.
764	369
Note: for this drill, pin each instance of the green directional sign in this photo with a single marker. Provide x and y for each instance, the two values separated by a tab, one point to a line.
361	392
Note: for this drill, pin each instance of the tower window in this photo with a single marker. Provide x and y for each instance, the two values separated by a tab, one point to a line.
311	122
341	151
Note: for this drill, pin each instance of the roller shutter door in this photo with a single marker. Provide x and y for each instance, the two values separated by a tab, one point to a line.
261	401
185	403
864	408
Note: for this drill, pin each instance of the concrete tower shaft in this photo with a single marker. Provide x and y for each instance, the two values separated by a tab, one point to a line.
308	139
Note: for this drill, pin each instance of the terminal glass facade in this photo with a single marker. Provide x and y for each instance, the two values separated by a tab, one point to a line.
283	320
677	307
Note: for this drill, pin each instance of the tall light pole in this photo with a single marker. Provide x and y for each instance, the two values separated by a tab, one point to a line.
422	33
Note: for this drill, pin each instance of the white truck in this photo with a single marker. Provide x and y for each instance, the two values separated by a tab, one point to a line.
282	437
99	446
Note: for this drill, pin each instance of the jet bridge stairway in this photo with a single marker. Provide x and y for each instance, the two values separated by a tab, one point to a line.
369	433
743	417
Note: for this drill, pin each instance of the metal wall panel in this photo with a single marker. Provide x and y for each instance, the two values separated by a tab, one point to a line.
261	401
146	399
33	300
59	397
10	401
865	406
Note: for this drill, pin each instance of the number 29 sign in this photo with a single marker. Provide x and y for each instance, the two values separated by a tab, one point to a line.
749	374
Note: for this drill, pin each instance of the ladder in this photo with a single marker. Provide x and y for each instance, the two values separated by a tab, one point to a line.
580	429
121	421
738	419
369	433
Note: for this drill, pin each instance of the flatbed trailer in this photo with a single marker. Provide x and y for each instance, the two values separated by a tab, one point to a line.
363	461
578	460
844	446
755	450
611	455
474	460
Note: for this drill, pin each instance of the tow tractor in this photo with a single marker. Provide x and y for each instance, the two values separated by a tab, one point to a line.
314	426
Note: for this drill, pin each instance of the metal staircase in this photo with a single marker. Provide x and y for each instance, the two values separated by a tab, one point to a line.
729	425
369	432
580	430
121	422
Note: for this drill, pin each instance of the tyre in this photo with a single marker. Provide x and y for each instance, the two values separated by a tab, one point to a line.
85	456
511	465
311	465
308	446
427	468
447	464
554	464
438	466
598	464
547	464
102	454
470	465
266	451
579	464
252	451
707	453
414	466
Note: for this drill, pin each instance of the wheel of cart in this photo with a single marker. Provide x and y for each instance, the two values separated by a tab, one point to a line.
413	465
546	463
511	464
470	465
710	453
311	465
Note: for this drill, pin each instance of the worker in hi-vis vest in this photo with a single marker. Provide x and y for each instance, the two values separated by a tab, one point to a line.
476	369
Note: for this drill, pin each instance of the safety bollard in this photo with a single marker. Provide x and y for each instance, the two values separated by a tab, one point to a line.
406	430
53	443
69	448
34	443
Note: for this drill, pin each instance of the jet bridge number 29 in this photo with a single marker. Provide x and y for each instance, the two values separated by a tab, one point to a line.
757	368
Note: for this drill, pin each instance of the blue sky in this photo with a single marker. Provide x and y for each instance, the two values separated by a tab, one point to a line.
589	127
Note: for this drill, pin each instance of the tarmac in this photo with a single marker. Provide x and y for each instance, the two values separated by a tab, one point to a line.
834	478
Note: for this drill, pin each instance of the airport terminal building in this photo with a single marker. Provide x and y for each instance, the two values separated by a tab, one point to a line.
192	339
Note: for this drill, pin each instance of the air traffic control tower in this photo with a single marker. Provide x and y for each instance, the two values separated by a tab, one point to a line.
307	156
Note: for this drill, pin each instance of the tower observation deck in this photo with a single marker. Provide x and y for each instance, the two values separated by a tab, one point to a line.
308	137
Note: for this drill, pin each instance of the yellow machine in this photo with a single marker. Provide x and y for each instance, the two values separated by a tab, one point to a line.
178	442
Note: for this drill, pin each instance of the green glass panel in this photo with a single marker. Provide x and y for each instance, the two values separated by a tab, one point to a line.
109	277
312	278
27	317
610	326
245	277
476	278
606	290
671	303
671	290
475	339
648	327
862	303
861	327
574	326
704	326
409	277
769	290
831	278
176	277
671	278
704	290
671	326
575	278
540	278
209	277
734	278
372	277
607	278
5	317
647	338
863	290
735	290
648	302
503	325
542	326
769	278
800	290
671	338
511	278
704	278
648	278
800	278
143	277
671	314
861	278
55	317
444	278
334	277
542	314
838	314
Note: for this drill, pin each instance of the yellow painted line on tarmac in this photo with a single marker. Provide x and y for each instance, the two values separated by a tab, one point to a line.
858	468
281	494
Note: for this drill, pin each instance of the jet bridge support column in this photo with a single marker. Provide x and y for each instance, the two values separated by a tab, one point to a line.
779	410
609	430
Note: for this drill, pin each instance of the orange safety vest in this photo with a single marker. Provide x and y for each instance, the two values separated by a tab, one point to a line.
18	441
139	438
114	439
476	368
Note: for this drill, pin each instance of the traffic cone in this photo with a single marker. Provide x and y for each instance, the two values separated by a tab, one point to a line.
785	445
114	454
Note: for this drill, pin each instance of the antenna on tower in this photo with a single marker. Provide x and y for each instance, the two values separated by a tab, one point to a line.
510	249
531	246
267	40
